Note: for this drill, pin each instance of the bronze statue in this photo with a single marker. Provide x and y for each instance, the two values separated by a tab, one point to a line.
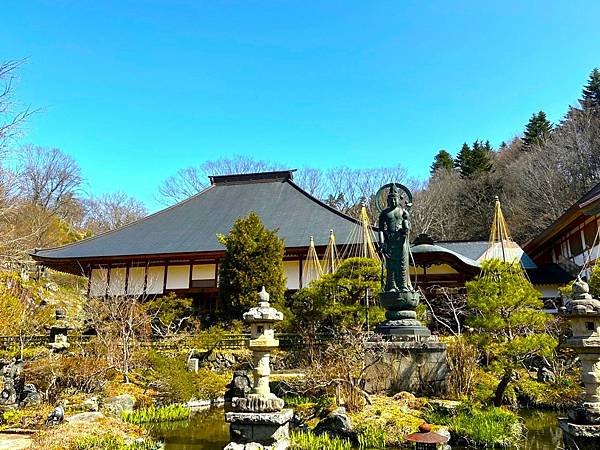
394	229
398	296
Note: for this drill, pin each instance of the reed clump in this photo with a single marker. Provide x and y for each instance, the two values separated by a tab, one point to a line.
170	413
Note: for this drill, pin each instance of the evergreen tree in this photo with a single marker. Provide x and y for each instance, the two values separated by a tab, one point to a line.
507	313
537	130
253	258
472	161
443	160
591	92
463	160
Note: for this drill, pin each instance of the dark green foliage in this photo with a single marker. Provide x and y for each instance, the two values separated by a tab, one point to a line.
253	259
338	299
537	130
472	161
591	92
463	158
507	313
442	161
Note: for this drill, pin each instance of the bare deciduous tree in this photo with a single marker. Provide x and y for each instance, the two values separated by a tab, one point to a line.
48	178
12	116
121	323
191	180
110	211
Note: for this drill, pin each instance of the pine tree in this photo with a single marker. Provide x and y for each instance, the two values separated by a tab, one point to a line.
537	130
507	313
472	161
253	258
463	160
443	160
591	92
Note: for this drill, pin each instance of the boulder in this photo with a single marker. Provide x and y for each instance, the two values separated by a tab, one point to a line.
30	396
85	417
90	404
239	386
116	405
337	423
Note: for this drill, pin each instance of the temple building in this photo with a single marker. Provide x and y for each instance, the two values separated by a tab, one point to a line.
176	249
571	241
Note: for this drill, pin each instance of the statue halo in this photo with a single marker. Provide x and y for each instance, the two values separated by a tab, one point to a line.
382	193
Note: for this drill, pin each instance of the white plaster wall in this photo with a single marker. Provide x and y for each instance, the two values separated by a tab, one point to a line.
116	285
98	280
135	280
291	270
178	277
156	276
548	290
203	272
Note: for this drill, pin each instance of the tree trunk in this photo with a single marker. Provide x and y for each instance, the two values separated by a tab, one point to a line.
506	378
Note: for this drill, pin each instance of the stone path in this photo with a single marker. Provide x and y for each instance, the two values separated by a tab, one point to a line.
14	441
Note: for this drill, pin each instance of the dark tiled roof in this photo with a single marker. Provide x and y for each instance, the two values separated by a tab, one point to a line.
192	225
588	204
549	274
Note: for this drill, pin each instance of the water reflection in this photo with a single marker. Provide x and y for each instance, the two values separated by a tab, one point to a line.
207	430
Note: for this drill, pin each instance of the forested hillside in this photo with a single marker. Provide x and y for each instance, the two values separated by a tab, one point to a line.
45	200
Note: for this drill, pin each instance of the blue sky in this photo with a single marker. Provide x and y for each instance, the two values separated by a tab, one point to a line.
136	90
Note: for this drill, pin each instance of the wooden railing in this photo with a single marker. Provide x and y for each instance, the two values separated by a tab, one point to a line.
231	341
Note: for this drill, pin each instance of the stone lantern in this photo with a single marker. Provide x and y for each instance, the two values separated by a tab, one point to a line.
59	332
581	429
259	417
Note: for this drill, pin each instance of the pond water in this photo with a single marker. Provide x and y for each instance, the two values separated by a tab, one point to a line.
207	430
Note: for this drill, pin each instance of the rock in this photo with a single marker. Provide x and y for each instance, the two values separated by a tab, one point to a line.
337	423
30	396
91	404
444	431
448	406
116	405
239	386
545	375
85	417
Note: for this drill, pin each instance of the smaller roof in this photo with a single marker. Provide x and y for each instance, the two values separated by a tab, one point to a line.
433	249
587	205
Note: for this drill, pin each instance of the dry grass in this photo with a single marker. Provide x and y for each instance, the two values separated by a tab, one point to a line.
73	436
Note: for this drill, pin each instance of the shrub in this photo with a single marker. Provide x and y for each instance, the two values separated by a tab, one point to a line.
54	375
385	419
482	427
462	367
181	385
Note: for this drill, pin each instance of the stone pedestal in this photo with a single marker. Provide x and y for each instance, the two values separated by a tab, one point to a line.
581	428
270	430
401	318
417	365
